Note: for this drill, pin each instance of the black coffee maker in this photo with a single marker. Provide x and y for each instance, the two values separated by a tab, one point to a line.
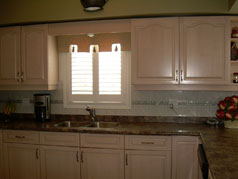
42	107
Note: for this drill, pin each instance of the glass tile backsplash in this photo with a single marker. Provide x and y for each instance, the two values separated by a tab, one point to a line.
144	103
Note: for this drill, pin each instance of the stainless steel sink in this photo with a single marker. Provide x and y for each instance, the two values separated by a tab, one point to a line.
72	124
87	124
103	125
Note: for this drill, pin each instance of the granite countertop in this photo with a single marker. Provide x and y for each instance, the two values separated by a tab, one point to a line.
221	145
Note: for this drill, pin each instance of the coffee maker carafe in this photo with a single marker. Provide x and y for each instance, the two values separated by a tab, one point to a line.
42	107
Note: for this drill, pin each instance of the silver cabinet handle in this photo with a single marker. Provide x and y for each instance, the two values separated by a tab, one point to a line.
126	160
37	153
81	157
22	76
18	77
176	75
148	143
77	156
20	137
181	75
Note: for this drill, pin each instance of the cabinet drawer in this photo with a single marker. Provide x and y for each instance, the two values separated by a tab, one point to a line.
59	138
26	137
102	141
148	142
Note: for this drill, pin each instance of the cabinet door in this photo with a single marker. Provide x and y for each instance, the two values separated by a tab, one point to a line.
34	54
184	157
60	162
204	50
148	164
9	55
21	161
102	163
155	51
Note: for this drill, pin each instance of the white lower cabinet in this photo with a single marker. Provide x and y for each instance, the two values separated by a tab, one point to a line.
102	156
184	157
60	155
148	164
50	155
21	161
60	162
148	157
102	163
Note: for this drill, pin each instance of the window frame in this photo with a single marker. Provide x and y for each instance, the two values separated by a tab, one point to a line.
125	103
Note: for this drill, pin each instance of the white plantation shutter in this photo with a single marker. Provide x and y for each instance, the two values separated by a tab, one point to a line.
82	73
99	78
110	73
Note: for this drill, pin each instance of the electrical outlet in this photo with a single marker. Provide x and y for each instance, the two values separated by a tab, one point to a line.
173	103
25	101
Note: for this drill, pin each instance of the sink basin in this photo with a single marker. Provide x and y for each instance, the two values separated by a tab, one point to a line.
72	124
103	125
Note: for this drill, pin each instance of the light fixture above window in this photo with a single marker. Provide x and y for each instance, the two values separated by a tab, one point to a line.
93	5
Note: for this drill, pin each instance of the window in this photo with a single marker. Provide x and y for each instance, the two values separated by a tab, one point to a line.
100	79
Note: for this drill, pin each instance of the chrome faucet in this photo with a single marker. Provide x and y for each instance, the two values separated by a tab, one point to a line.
92	113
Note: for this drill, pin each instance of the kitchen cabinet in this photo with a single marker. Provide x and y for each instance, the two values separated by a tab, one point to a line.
28	59
148	157
184	157
178	51
60	162
10	55
21	154
104	158
60	155
155	51
204	43
102	163
22	161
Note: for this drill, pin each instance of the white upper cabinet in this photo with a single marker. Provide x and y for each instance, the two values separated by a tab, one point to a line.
155	51
190	50
28	58
34	54
204	50
9	55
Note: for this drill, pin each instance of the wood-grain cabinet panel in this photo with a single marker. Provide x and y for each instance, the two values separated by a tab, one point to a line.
184	148
60	162
204	50
21	161
28	58
155	51
102	163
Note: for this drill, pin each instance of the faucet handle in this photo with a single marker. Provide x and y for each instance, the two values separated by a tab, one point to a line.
88	108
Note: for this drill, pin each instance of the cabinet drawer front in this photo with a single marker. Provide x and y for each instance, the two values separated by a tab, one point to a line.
16	136
59	138
102	141
148	142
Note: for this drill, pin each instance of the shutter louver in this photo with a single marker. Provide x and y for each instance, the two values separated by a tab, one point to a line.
82	73
109	73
